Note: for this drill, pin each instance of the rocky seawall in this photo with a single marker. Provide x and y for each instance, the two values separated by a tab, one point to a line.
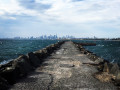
20	67
108	72
24	64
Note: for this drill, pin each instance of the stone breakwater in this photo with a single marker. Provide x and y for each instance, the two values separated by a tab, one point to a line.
108	72
24	64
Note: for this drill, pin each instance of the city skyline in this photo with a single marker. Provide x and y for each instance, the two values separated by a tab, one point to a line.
79	18
56	37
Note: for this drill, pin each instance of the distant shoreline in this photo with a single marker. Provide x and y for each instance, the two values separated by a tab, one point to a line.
60	39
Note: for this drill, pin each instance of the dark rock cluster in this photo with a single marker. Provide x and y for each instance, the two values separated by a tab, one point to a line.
102	65
21	66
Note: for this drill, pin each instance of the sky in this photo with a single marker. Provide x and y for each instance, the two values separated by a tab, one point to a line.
79	18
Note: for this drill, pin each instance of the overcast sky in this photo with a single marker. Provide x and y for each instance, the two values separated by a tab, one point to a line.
80	18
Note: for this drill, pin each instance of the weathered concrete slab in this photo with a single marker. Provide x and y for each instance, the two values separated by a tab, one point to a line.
64	70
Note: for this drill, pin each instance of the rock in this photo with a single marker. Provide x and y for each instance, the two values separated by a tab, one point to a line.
49	50
106	68
82	49
93	57
41	54
44	52
6	65
22	63
38	54
33	59
85	52
3	84
99	60
10	74
118	76
104	76
114	69
20	67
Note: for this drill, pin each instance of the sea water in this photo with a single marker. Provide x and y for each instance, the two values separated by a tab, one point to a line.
108	50
11	49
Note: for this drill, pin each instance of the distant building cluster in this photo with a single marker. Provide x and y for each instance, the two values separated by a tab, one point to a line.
46	37
55	37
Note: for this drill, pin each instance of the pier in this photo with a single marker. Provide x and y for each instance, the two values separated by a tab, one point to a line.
65	69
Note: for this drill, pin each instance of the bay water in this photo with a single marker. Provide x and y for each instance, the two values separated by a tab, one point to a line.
11	49
106	49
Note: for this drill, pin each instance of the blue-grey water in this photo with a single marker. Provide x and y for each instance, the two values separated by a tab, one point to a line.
11	49
108	50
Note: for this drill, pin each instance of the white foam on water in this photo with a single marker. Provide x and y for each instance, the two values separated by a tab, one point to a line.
5	61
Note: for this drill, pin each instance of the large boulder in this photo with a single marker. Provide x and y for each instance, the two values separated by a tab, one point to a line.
118	76
49	49
44	52
15	69
34	60
93	57
38	54
114	69
3	84
106	68
10	74
41	54
22	64
99	60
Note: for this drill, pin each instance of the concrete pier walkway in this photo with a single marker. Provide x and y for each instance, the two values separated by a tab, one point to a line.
64	70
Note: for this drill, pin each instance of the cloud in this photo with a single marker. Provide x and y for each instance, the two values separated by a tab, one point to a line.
32	4
74	11
81	11
83	16
11	9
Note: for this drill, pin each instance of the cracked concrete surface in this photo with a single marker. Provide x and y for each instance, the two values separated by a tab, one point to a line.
64	70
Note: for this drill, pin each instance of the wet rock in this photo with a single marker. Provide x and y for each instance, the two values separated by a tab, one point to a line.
33	59
6	65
